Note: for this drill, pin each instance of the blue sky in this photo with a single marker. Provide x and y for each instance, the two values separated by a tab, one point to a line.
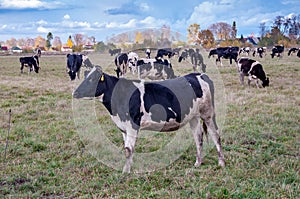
103	18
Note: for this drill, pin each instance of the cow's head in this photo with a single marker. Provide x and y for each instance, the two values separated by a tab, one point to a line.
92	86
36	63
266	82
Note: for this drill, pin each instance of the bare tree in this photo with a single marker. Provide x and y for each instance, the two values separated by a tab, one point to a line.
221	30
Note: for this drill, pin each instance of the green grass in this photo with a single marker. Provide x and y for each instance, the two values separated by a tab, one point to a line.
46	157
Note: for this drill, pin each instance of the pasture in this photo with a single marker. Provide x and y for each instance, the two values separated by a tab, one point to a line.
46	158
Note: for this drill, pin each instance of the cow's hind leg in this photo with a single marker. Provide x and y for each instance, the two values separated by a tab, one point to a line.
129	142
198	137
22	67
216	139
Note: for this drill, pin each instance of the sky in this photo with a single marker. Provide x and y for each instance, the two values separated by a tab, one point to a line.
105	18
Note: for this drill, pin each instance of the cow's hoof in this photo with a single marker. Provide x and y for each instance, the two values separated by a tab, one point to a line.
222	163
197	163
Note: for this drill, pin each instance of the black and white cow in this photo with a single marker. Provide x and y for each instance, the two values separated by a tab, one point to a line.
292	51
121	61
74	63
114	51
183	56
148	53
253	69
230	53
157	106
245	50
133	57
260	51
32	63
197	60
298	54
277	50
155	69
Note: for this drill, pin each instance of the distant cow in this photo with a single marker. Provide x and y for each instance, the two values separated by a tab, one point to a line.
197	60
164	52
260	51
292	51
298	54
253	69
156	106
245	50
277	50
121	61
183	56
148	53
31	62
114	51
132	60
155	69
74	63
230	53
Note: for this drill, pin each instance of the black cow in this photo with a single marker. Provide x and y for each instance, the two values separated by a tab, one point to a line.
292	51
155	69
157	106
114	51
31	62
298	54
74	63
230	53
164	52
253	69
260	51
277	50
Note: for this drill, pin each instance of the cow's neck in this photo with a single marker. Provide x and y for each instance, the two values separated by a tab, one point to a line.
111	82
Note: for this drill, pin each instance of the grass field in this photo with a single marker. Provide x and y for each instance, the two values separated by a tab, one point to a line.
47	159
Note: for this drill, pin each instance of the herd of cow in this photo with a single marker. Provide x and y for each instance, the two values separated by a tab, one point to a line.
162	106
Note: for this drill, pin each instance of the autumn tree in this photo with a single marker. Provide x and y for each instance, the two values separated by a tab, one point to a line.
70	42
221	30
11	42
193	31
206	38
138	37
57	43
39	42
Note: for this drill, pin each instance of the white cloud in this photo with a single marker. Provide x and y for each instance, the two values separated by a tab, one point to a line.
41	29
67	17
28	4
130	24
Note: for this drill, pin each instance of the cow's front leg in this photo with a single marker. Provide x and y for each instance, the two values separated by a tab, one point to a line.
198	137
242	78
78	74
129	142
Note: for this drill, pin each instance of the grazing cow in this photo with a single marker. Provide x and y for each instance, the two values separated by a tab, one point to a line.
245	50
74	63
260	51
164	52
31	62
155	69
121	61
230	53
197	60
183	56
253	69
157	106
277	50
292	51
114	51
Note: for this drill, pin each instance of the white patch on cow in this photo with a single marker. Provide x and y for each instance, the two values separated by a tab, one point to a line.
252	65
172	111
123	125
